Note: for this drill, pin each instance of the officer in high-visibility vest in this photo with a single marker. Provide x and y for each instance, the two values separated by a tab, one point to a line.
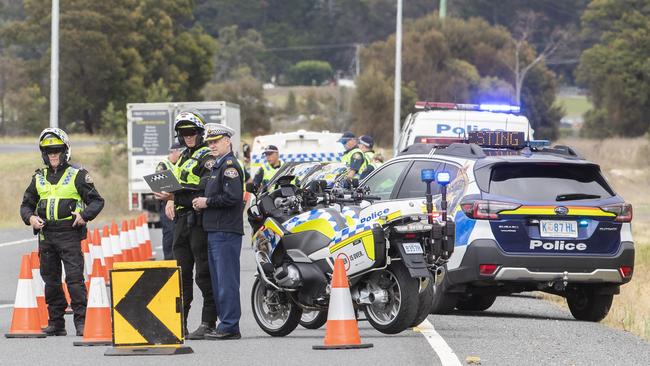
190	240
353	156
366	144
223	209
58	203
168	163
269	167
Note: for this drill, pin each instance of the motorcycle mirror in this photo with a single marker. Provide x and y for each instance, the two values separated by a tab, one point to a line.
428	175
322	183
354	182
250	187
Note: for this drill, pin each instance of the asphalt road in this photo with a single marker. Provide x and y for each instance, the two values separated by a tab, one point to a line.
516	330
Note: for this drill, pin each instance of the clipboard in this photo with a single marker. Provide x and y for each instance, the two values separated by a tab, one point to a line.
164	181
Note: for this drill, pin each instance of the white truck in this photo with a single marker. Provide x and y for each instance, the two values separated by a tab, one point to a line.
150	133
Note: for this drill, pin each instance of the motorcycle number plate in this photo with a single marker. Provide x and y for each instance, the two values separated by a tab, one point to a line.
412	248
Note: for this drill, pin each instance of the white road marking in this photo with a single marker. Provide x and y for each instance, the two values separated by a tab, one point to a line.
440	347
2	306
8	244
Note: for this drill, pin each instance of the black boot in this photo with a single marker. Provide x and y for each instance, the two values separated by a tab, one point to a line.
80	330
199	333
53	330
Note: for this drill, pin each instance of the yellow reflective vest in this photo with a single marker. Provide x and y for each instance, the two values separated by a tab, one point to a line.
51	195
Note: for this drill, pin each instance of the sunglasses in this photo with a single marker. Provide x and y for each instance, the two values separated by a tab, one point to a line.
267	153
54	150
188	132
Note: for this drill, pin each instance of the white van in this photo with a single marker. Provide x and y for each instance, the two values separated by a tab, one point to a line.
298	146
439	123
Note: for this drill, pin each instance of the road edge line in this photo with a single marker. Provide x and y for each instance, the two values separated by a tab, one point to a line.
15	242
446	355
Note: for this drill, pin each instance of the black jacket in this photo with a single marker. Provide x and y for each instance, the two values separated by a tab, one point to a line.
225	193
84	184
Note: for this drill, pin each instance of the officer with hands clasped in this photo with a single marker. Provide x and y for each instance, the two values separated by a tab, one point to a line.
190	240
223	208
58	203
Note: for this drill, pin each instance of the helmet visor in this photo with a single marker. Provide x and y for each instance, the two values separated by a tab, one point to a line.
53	149
185	132
51	141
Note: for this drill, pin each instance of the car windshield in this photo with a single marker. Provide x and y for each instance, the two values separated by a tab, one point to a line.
548	182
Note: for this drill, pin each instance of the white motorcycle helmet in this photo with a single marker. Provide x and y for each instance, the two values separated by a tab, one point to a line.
189	120
54	138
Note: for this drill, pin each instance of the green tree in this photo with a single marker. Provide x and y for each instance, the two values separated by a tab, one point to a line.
246	91
616	70
462	61
237	49
310	72
114	52
292	107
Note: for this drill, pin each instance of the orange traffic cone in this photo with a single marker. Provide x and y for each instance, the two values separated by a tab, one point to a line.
115	244
139	235
135	243
39	288
25	322
342	329
107	250
97	252
87	262
147	237
125	243
97	329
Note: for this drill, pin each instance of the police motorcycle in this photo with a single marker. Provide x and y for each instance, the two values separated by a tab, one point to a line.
391	258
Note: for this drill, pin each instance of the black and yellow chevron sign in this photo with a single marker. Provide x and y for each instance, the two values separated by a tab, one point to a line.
147	304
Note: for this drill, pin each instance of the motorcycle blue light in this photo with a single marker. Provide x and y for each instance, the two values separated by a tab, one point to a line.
443	178
583	223
539	143
428	175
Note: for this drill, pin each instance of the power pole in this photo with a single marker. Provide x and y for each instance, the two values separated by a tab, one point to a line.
357	62
54	67
398	77
443	9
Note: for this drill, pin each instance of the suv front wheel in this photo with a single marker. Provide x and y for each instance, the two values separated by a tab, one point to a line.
589	306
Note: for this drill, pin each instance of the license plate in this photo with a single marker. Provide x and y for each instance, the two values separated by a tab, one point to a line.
412	248
557	228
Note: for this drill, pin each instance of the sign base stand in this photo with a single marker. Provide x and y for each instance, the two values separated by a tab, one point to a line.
148	351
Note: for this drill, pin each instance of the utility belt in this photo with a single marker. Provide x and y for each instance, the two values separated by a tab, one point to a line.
59	226
193	218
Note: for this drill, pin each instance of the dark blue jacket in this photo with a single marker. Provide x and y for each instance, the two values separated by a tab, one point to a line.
224	190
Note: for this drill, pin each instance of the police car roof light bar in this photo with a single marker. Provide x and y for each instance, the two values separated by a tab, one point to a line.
499	108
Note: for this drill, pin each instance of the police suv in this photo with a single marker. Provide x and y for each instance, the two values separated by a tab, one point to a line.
528	218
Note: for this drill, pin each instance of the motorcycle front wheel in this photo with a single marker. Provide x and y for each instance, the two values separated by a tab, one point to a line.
274	312
396	299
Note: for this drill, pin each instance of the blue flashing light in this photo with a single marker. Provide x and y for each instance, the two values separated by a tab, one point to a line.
500	108
428	175
538	143
443	178
583	223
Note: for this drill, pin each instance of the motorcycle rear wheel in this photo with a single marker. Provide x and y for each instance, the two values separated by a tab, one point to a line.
313	319
400	309
274	312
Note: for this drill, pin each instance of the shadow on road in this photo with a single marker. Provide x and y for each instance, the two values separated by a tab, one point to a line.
499	314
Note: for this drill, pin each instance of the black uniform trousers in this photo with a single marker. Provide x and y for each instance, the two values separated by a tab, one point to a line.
167	235
54	247
190	249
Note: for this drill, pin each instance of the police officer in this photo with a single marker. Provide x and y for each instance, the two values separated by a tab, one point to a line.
168	163
269	167
223	209
353	156
366	144
58	203
190	245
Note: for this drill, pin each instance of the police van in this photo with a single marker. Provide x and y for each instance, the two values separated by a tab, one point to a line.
528	217
436	122
298	146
